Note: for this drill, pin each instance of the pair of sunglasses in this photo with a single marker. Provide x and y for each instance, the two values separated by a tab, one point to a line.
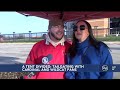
81	27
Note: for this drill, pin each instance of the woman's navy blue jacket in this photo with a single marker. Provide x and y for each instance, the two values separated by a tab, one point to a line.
90	55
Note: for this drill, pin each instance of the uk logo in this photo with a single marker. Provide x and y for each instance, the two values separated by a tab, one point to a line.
45	60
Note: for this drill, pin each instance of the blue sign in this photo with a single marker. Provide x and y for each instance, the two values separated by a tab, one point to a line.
58	68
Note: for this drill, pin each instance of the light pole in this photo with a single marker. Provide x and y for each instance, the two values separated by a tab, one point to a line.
29	35
13	36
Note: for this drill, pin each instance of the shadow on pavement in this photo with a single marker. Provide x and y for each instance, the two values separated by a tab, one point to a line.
8	60
114	48
10	75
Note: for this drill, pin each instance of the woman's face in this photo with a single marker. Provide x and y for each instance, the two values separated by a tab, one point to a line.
81	32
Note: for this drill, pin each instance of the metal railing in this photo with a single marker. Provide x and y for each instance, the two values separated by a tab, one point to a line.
33	37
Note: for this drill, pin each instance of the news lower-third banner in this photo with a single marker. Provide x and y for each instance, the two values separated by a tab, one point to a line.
59	68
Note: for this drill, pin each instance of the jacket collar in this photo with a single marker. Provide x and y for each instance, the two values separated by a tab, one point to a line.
83	44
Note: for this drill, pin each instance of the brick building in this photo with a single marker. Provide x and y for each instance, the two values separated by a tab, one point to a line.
100	27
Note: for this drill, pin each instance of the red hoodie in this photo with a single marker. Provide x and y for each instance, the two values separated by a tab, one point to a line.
41	50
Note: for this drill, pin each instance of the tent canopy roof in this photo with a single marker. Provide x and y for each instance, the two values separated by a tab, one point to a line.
72	15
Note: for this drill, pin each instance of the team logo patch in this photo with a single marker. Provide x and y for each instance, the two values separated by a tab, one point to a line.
45	60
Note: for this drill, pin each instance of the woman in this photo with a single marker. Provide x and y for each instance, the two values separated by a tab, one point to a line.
86	49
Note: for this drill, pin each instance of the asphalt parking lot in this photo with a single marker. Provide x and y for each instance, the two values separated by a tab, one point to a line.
11	53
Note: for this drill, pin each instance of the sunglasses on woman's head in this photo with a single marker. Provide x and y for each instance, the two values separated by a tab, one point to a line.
81	27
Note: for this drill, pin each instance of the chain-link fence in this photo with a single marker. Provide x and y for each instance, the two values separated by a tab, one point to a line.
24	37
28	37
33	37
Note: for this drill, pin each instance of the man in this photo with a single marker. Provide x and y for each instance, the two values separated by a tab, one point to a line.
50	51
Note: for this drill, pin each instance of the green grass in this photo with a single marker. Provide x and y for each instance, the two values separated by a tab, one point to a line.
109	38
23	41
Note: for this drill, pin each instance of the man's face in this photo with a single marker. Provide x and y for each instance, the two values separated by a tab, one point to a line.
56	32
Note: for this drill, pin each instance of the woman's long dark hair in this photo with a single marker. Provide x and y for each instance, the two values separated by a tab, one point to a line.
93	41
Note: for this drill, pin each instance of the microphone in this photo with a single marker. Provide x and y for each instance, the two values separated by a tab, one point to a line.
50	57
45	60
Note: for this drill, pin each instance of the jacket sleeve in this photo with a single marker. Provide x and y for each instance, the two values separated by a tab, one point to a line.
31	60
106	58
31	57
68	74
